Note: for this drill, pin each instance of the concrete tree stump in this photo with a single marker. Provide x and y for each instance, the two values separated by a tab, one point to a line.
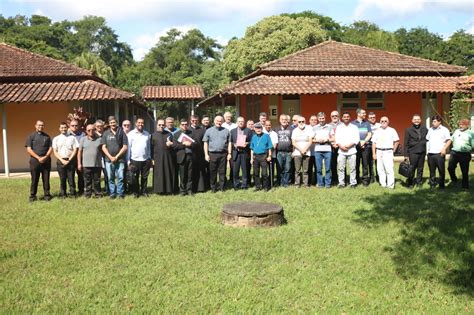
252	214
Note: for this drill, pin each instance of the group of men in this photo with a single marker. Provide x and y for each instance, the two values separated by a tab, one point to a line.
194	156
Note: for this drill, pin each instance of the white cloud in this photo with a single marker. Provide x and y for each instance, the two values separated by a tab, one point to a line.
366	9
158	9
143	43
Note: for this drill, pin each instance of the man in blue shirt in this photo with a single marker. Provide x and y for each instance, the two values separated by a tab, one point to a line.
261	153
364	151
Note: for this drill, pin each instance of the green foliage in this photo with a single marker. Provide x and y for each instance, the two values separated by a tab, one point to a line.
67	40
419	42
461	108
332	28
93	63
459	50
367	34
269	39
342	251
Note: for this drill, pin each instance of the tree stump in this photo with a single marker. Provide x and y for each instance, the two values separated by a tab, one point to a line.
251	214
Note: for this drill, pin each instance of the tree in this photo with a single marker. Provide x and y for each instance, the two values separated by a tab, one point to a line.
332	28
93	63
459	50
367	34
269	39
419	42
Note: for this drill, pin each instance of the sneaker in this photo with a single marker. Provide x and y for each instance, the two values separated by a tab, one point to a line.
353	186
32	198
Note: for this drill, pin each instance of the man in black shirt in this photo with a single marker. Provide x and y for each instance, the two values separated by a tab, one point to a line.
284	150
39	147
239	146
415	150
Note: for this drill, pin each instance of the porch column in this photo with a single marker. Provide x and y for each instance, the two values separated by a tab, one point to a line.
192	107
154	111
5	145
237	105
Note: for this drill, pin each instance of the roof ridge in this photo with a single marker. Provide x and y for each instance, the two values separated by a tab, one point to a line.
22	50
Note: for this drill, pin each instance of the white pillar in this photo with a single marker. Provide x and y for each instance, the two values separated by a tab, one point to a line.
154	112
192	107
5	145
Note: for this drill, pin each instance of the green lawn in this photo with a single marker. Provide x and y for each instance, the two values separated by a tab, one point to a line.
343	250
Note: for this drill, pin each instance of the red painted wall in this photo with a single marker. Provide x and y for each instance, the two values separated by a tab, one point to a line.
313	104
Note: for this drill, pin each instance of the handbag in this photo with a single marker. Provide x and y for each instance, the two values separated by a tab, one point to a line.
405	169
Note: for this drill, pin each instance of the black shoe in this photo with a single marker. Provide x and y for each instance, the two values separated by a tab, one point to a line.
365	184
135	196
341	186
112	197
121	197
33	198
182	194
63	196
145	194
354	186
257	189
47	198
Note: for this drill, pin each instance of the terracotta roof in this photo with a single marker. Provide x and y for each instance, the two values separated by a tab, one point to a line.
20	63
466	84
60	91
267	85
336	58
172	92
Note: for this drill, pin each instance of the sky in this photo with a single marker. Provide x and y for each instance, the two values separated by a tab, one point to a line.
140	23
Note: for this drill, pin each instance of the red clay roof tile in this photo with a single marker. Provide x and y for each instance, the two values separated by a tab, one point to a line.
333	57
172	92
60	91
279	85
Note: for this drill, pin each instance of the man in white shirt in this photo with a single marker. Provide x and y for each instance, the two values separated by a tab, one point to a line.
301	138
139	157
347	137
65	149
228	124
384	143
437	137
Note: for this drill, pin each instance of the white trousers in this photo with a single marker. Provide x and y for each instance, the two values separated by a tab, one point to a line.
341	169
385	168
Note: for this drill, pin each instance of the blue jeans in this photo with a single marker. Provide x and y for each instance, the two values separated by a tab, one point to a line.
115	171
284	167
319	158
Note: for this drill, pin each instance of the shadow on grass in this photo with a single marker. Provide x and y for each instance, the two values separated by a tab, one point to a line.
436	239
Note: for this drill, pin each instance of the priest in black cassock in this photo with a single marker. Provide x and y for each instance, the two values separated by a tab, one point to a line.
200	165
164	161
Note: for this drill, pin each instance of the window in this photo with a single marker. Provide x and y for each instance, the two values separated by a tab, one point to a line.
349	101
375	100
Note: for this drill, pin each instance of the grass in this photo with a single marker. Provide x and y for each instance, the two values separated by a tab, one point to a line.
363	250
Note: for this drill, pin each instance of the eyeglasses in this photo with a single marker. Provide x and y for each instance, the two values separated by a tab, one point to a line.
74	125
334	115
384	121
161	125
90	130
126	125
301	121
184	124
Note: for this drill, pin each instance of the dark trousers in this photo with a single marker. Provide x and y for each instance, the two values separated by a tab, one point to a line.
37	169
80	177
217	165
260	167
436	161
312	171
373	176
142	169
417	160
92	181
186	174
66	175
334	180
240	163
464	159
363	155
